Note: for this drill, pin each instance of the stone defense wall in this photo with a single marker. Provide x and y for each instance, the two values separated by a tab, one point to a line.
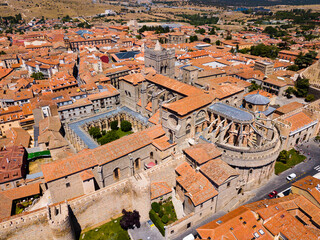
87	210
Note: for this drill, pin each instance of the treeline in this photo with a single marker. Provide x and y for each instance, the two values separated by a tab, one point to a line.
11	19
157	29
253	3
197	19
275	32
299	16
262	51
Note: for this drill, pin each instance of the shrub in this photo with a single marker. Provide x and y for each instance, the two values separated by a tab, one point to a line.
157	221
155	207
309	98
161	213
167	208
125	126
114	125
165	219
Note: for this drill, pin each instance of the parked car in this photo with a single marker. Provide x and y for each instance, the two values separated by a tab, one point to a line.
273	194
291	176
150	223
285	192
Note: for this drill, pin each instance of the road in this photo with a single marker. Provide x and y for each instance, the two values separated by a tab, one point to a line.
279	183
311	166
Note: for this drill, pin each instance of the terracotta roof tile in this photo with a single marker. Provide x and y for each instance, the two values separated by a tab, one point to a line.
159	189
202	153
218	171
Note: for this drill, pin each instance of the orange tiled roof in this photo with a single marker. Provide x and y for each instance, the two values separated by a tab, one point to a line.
202	153
162	143
179	87
218	171
87	159
159	189
197	187
289	107
189	104
298	120
86	175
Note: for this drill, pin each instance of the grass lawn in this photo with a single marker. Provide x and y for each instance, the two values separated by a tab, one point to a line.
122	133
110	230
34	166
168	209
294	159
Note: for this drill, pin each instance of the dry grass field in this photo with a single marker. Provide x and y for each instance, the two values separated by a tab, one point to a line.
315	7
52	8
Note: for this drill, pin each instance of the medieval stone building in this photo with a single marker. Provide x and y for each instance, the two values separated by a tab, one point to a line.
161	59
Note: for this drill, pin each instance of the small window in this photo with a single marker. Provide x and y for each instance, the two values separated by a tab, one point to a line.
172	231
189	225
67	184
228	184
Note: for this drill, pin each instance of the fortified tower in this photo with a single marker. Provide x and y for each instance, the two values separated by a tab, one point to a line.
59	222
161	59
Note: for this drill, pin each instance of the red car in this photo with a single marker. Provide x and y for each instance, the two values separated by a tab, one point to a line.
273	194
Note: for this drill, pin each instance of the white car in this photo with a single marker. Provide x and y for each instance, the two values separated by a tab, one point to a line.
291	176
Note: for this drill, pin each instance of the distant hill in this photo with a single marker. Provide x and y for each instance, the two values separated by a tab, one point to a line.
254	3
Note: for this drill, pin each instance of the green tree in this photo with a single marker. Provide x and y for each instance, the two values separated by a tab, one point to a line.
212	31
293	67
37	75
193	38
310	98
229	37
283	156
305	60
114	125
138	37
95	132
200	31
218	42
302	87
125	126
264	51
254	86
289	91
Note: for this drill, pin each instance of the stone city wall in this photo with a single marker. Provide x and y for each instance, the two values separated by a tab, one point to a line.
87	210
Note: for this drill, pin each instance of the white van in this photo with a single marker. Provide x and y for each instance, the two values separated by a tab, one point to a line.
189	237
285	192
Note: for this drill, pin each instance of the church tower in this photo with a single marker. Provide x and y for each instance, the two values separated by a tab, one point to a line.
161	59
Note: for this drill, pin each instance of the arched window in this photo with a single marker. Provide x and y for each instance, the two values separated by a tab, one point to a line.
188	129
137	164
116	173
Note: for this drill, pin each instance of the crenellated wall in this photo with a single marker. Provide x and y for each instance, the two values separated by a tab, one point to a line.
56	222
